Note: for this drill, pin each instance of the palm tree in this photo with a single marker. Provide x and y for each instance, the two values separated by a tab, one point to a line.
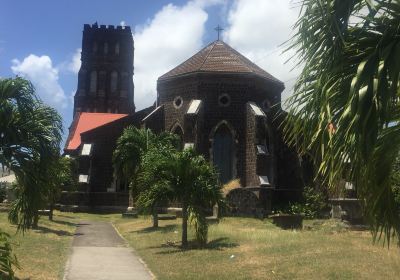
30	139
30	136
128	156
345	107
187	178
59	173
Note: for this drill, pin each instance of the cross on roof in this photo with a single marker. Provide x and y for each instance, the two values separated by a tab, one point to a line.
218	29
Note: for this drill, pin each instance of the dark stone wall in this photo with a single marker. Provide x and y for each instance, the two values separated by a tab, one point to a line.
241	89
95	41
287	161
104	141
187	89
250	176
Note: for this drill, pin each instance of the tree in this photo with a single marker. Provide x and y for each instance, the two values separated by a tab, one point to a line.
187	178
30	139
58	174
30	136
128	156
345	106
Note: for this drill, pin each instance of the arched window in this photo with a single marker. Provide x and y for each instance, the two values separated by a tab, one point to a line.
177	130
114	81
223	153
93	81
105	48
117	48
94	47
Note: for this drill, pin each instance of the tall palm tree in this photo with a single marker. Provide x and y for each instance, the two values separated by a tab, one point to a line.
30	136
187	178
30	139
345	108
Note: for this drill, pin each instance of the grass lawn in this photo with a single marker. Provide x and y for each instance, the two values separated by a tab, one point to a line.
244	248
42	253
239	248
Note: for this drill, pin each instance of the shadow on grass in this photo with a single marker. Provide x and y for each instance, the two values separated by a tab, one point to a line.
56	232
64	223
65	216
175	247
164	229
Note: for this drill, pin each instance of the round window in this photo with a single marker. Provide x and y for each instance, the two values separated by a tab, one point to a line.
178	102
224	100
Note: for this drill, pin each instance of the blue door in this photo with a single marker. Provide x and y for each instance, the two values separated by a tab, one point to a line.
223	153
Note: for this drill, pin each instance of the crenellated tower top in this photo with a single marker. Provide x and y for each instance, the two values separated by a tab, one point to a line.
105	82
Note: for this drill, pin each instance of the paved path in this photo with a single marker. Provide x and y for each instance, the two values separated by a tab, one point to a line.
99	252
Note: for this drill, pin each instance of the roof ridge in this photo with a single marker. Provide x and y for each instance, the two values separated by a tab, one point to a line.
218	57
186	60
205	59
241	57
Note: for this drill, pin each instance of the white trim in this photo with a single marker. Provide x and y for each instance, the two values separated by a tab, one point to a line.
86	149
264	181
262	150
257	110
194	107
83	178
152	112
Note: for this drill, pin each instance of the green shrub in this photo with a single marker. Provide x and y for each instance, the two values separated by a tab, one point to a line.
313	204
7	259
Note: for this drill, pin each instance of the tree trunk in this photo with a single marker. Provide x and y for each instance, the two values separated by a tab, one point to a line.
184	225
35	220
155	216
51	208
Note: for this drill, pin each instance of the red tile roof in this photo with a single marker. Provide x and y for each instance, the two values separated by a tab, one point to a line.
218	57
87	121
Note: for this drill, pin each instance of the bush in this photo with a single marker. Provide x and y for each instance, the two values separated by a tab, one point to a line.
7	258
313	205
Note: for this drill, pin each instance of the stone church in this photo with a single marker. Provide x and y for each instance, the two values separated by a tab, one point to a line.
217	101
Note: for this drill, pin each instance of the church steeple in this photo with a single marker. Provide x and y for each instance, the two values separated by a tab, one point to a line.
105	82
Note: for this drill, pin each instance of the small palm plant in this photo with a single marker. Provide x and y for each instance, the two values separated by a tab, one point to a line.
129	154
187	178
7	259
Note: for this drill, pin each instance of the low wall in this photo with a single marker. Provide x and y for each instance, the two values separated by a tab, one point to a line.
349	209
95	199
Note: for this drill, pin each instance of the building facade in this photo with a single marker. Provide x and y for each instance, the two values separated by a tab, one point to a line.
105	78
218	102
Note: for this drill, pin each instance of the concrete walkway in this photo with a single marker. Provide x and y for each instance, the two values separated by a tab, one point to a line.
99	252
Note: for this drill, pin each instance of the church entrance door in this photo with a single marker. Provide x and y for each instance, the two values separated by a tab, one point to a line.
223	152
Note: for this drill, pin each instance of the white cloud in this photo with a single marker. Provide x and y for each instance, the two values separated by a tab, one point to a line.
257	28
174	34
122	23
75	64
40	71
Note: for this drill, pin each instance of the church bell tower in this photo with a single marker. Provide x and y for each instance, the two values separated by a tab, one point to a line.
105	82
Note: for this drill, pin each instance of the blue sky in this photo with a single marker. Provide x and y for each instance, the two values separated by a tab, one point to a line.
41	40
